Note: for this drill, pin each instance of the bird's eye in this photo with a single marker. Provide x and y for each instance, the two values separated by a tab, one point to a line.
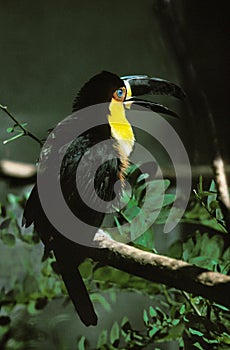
119	94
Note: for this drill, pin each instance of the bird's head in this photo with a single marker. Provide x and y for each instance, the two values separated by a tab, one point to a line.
101	88
107	87
118	93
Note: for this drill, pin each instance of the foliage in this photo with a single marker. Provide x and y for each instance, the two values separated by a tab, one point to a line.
195	323
148	202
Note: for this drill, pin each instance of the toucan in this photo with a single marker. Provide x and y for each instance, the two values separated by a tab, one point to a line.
114	95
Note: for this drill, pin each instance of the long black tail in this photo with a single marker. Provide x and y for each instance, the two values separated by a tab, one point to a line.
76	288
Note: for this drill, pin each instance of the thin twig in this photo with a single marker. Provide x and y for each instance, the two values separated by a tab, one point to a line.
187	297
24	130
219	222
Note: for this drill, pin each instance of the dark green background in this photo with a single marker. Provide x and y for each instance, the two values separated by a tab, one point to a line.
50	48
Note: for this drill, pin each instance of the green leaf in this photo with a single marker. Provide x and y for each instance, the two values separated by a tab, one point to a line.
114	335
163	216
203	261
13	199
213	196
145	318
102	340
142	177
152	312
175	321
176	250
141	224
182	309
210	341
24	125
102	300
153	331
221	307
108	276
31	308
81	343
8	239
226	255
9	130
225	338
214	205
157	187
168	199
195	332
139	192
188	249
86	269
198	346
177	330
146	240
30	284
219	215
131	213
211	247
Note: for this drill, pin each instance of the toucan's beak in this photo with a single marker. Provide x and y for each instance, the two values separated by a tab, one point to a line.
138	85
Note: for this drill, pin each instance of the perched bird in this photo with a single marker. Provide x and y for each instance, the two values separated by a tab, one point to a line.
111	160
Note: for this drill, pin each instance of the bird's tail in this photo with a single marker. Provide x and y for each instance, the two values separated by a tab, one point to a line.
76	289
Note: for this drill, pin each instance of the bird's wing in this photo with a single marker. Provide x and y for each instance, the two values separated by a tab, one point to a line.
88	176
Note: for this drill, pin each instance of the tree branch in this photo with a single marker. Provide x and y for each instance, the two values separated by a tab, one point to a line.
161	269
222	187
24	130
18	170
15	169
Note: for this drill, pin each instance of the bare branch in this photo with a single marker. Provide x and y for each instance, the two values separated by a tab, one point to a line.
24	130
222	187
161	269
10	168
17	170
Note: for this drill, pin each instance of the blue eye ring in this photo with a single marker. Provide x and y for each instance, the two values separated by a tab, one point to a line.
120	93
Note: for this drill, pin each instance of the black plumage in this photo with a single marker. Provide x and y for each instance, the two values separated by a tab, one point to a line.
101	168
68	254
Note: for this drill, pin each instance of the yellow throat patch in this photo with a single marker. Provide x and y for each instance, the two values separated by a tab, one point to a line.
121	130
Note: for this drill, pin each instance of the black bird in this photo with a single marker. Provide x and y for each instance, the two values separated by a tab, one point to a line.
113	94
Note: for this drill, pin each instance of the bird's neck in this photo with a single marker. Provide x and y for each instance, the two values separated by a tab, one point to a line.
121	130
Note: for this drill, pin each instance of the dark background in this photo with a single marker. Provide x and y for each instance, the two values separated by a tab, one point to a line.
48	49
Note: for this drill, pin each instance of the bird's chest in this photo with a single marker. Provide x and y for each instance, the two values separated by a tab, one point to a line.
124	143
122	133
